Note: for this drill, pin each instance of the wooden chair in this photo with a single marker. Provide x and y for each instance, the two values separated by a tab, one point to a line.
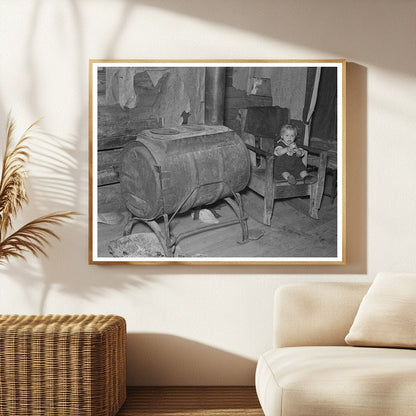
261	179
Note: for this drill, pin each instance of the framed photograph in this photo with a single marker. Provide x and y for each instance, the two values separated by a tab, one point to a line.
217	162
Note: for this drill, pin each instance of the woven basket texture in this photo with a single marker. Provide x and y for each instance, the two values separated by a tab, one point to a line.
53	365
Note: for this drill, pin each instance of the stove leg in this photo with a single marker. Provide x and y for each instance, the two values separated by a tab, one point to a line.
237	207
170	245
163	240
129	226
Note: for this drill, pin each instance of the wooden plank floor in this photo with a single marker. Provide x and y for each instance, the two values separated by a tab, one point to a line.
292	232
191	401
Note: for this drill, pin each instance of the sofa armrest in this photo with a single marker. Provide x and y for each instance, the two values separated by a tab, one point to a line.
315	313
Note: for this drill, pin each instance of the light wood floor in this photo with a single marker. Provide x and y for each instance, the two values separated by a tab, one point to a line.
191	401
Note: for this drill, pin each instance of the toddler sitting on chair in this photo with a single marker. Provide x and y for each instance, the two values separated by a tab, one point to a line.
288	164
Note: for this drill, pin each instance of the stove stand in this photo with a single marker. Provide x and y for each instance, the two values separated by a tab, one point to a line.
169	241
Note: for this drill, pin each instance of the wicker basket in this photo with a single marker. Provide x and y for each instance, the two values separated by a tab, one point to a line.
71	365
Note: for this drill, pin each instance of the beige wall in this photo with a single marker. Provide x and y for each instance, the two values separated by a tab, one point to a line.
204	325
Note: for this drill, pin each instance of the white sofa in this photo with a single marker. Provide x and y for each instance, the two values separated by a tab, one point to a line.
311	371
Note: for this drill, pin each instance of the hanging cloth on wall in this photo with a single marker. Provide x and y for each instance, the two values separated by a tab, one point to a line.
193	79
312	86
324	123
111	82
288	85
127	95
155	75
241	76
181	90
171	100
120	84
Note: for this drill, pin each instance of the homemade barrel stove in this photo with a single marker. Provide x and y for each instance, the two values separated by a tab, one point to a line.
168	171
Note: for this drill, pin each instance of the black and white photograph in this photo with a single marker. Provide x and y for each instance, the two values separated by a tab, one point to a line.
217	162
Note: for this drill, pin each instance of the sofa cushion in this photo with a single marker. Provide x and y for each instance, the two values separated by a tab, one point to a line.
304	381
315	313
387	314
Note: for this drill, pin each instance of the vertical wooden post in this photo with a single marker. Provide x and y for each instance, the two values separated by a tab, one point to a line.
317	189
214	95
268	191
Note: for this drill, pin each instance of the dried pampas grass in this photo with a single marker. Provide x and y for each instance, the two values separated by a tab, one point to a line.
35	235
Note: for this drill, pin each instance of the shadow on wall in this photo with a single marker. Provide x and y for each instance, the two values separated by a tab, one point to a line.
161	359
334	27
79	141
60	182
65	184
37	286
57	183
356	169
310	24
57	157
53	187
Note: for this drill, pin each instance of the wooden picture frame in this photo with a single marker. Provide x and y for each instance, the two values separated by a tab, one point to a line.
183	167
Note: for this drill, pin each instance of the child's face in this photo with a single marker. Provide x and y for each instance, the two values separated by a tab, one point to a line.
288	136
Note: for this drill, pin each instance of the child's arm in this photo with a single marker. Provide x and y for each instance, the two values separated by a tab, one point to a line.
279	150
299	152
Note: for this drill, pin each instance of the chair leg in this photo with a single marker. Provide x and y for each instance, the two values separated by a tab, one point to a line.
317	193
317	190
313	204
268	192
268	209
